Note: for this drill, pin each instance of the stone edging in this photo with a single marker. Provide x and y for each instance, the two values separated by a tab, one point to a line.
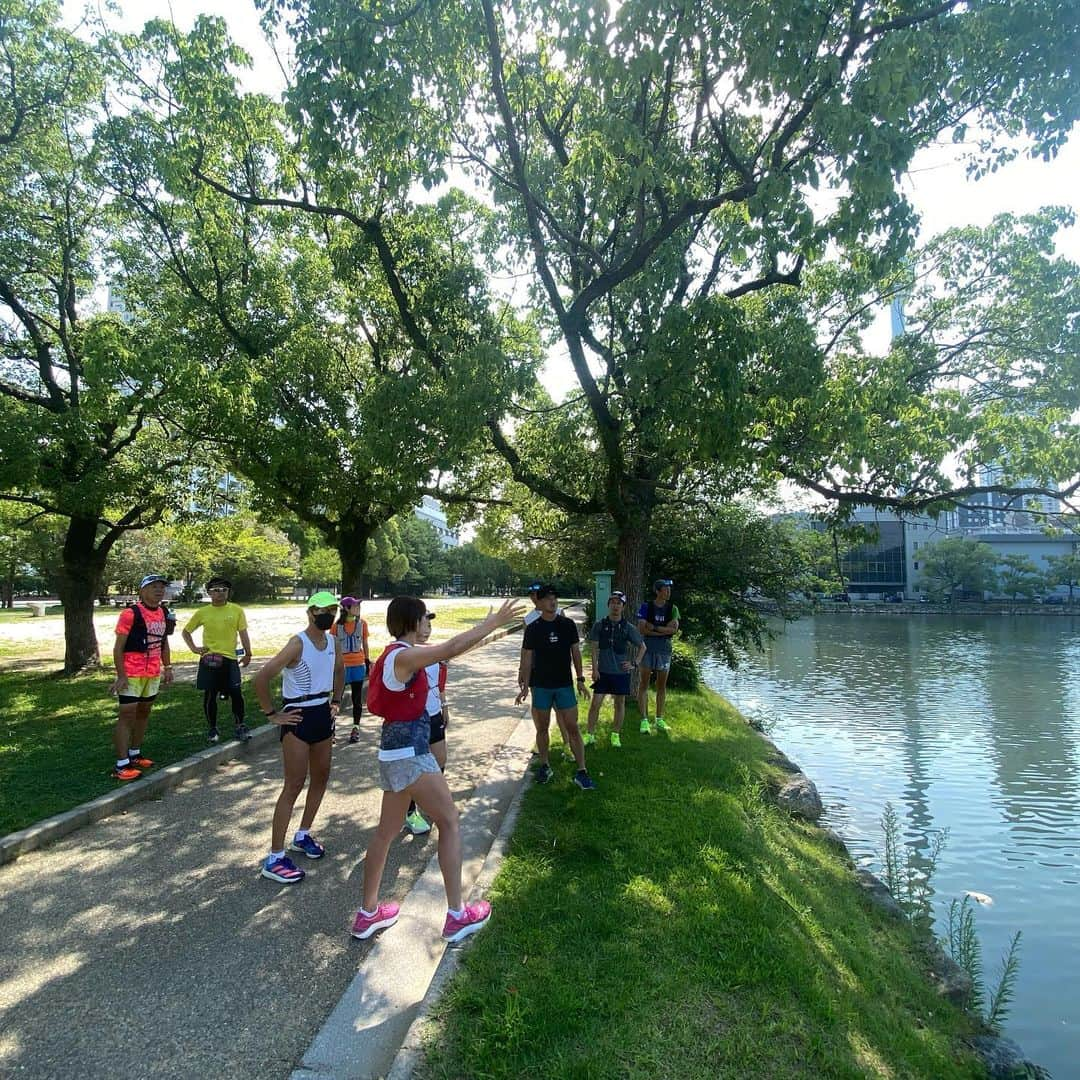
1003	1058
54	828
412	1048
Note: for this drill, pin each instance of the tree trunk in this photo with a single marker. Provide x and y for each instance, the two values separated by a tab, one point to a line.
351	546
630	562
78	586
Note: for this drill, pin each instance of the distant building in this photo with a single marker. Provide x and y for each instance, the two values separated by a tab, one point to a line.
995	512
890	564
1037	546
430	511
116	305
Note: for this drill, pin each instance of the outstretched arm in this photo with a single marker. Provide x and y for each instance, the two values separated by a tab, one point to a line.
409	661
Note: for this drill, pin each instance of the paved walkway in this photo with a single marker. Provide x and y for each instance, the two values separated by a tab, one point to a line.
148	945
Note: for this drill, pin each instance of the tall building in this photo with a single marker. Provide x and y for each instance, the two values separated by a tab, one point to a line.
995	512
430	511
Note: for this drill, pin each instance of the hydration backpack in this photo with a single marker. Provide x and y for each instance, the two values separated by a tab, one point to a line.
396	706
138	639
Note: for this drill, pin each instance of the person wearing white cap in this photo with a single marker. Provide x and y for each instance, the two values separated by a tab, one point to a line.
141	658
312	682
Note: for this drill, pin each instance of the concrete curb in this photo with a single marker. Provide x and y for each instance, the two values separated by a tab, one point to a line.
59	825
407	966
412	1048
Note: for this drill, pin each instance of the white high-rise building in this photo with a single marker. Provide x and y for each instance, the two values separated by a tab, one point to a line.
430	511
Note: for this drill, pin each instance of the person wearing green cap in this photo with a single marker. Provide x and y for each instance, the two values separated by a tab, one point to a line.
312	682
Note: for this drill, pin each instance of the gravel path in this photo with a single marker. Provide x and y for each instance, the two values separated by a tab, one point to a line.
148	945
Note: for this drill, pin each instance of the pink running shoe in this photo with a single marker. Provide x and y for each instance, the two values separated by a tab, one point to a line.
473	918
365	925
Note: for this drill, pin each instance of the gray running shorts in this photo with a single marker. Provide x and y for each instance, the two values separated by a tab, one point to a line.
398	775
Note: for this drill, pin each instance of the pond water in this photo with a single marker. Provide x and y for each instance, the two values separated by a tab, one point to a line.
970	723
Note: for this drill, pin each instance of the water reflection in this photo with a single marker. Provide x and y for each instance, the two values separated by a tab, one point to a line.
970	724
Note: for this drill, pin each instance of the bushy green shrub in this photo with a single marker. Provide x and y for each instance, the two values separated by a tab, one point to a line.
685	673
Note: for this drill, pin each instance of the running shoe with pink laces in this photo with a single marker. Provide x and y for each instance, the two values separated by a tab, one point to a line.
473	918
365	925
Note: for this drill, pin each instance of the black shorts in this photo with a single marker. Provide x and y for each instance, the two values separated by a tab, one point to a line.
316	725
438	728
218	673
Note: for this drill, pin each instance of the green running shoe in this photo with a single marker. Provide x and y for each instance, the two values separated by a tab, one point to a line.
616	740
661	724
589	739
645	729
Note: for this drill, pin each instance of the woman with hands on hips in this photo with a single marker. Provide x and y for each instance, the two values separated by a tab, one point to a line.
312	682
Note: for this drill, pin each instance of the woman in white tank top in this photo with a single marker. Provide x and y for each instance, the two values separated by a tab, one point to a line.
312	682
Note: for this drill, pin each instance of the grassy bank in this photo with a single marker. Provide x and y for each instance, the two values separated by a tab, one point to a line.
56	740
675	924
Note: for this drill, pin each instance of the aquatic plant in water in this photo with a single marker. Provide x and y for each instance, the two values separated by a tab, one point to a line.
908	875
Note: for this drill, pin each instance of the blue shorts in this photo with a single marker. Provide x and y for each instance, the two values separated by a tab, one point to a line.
356	674
656	661
562	697
617	685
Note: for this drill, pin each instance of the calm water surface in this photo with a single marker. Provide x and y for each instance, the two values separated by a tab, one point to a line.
966	723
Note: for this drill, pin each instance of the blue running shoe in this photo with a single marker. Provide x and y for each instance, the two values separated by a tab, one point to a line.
309	846
283	870
584	780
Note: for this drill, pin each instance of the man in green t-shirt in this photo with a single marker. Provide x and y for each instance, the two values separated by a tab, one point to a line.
219	670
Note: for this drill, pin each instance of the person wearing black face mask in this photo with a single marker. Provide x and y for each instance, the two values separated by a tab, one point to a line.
312	682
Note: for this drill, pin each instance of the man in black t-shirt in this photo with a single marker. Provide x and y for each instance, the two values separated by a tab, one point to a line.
549	648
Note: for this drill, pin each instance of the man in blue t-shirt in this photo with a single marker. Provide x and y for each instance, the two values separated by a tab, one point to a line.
658	621
549	647
617	649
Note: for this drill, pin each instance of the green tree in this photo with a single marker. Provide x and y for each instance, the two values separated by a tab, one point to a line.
1020	577
957	564
351	350
258	559
428	567
481	573
387	560
17	554
1064	570
81	395
675	180
319	568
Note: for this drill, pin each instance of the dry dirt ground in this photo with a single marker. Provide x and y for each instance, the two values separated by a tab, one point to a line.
29	639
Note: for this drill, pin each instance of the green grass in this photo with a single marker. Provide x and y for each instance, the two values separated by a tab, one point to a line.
56	740
675	924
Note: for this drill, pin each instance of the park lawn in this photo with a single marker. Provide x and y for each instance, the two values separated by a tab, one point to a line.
56	739
676	924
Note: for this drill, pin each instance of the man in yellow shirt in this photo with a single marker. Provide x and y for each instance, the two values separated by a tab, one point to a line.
219	670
